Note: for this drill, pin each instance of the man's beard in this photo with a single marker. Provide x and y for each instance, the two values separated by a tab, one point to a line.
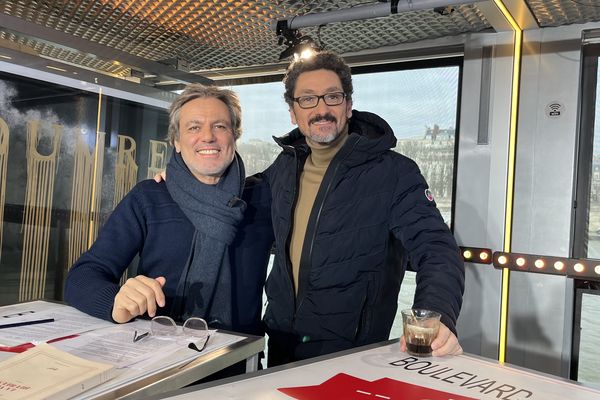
319	138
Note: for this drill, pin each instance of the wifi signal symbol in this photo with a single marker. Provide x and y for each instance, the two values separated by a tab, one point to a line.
554	109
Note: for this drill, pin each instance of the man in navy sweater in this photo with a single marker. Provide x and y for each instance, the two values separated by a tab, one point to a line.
190	232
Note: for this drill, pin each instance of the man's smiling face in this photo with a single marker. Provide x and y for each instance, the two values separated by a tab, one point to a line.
323	123
206	141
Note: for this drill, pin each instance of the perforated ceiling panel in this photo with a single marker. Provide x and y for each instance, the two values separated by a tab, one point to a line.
564	12
212	34
218	34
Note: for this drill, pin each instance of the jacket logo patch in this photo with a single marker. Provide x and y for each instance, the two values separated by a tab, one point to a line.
428	195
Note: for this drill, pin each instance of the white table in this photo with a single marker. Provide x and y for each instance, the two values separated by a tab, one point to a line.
382	372
170	373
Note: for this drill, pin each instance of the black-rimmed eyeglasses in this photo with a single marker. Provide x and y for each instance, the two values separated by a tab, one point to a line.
312	100
166	326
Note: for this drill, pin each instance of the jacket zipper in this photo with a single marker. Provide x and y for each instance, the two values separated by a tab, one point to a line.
318	217
291	215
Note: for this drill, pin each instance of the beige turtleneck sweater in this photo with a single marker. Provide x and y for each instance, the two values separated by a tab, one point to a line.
310	180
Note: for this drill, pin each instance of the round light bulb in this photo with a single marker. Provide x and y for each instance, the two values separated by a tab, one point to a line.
559	265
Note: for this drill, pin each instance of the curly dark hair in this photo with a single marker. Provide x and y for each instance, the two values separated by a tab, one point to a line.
321	60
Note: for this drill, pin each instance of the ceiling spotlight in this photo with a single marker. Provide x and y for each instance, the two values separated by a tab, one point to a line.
298	45
305	53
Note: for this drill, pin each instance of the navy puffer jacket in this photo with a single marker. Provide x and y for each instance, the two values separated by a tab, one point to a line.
372	215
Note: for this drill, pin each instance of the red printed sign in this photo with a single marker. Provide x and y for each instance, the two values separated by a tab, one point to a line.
348	387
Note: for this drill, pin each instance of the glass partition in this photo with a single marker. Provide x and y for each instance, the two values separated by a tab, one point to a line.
67	156
586	243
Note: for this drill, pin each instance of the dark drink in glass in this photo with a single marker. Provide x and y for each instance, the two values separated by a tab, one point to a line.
420	329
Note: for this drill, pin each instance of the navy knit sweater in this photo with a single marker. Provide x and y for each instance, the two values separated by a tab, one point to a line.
148	223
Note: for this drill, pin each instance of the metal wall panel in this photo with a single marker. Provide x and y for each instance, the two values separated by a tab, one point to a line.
481	187
540	307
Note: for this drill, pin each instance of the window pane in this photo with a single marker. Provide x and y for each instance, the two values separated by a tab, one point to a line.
589	361
589	352
594	215
420	105
264	114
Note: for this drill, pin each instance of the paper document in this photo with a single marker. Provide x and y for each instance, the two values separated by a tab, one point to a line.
105	342
161	360
67	321
115	345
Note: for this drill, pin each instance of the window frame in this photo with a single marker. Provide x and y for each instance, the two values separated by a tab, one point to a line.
583	171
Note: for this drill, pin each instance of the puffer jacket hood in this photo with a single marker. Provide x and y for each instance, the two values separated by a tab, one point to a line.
369	133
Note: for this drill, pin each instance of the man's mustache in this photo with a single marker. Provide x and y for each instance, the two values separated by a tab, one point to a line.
326	117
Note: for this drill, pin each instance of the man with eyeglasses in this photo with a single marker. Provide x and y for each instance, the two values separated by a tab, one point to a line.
190	233
349	214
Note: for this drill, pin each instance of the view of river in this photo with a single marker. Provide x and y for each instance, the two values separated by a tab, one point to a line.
589	353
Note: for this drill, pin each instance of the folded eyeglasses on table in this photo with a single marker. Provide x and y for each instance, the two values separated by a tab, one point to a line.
166	326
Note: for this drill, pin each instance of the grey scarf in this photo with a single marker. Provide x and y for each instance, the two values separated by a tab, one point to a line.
205	286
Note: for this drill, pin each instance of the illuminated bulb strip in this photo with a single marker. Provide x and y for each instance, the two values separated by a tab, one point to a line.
570	267
477	255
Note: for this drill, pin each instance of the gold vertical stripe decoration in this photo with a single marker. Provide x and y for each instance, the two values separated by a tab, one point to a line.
510	181
125	173
157	158
97	182
3	168
125	169
41	172
97	187
82	196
